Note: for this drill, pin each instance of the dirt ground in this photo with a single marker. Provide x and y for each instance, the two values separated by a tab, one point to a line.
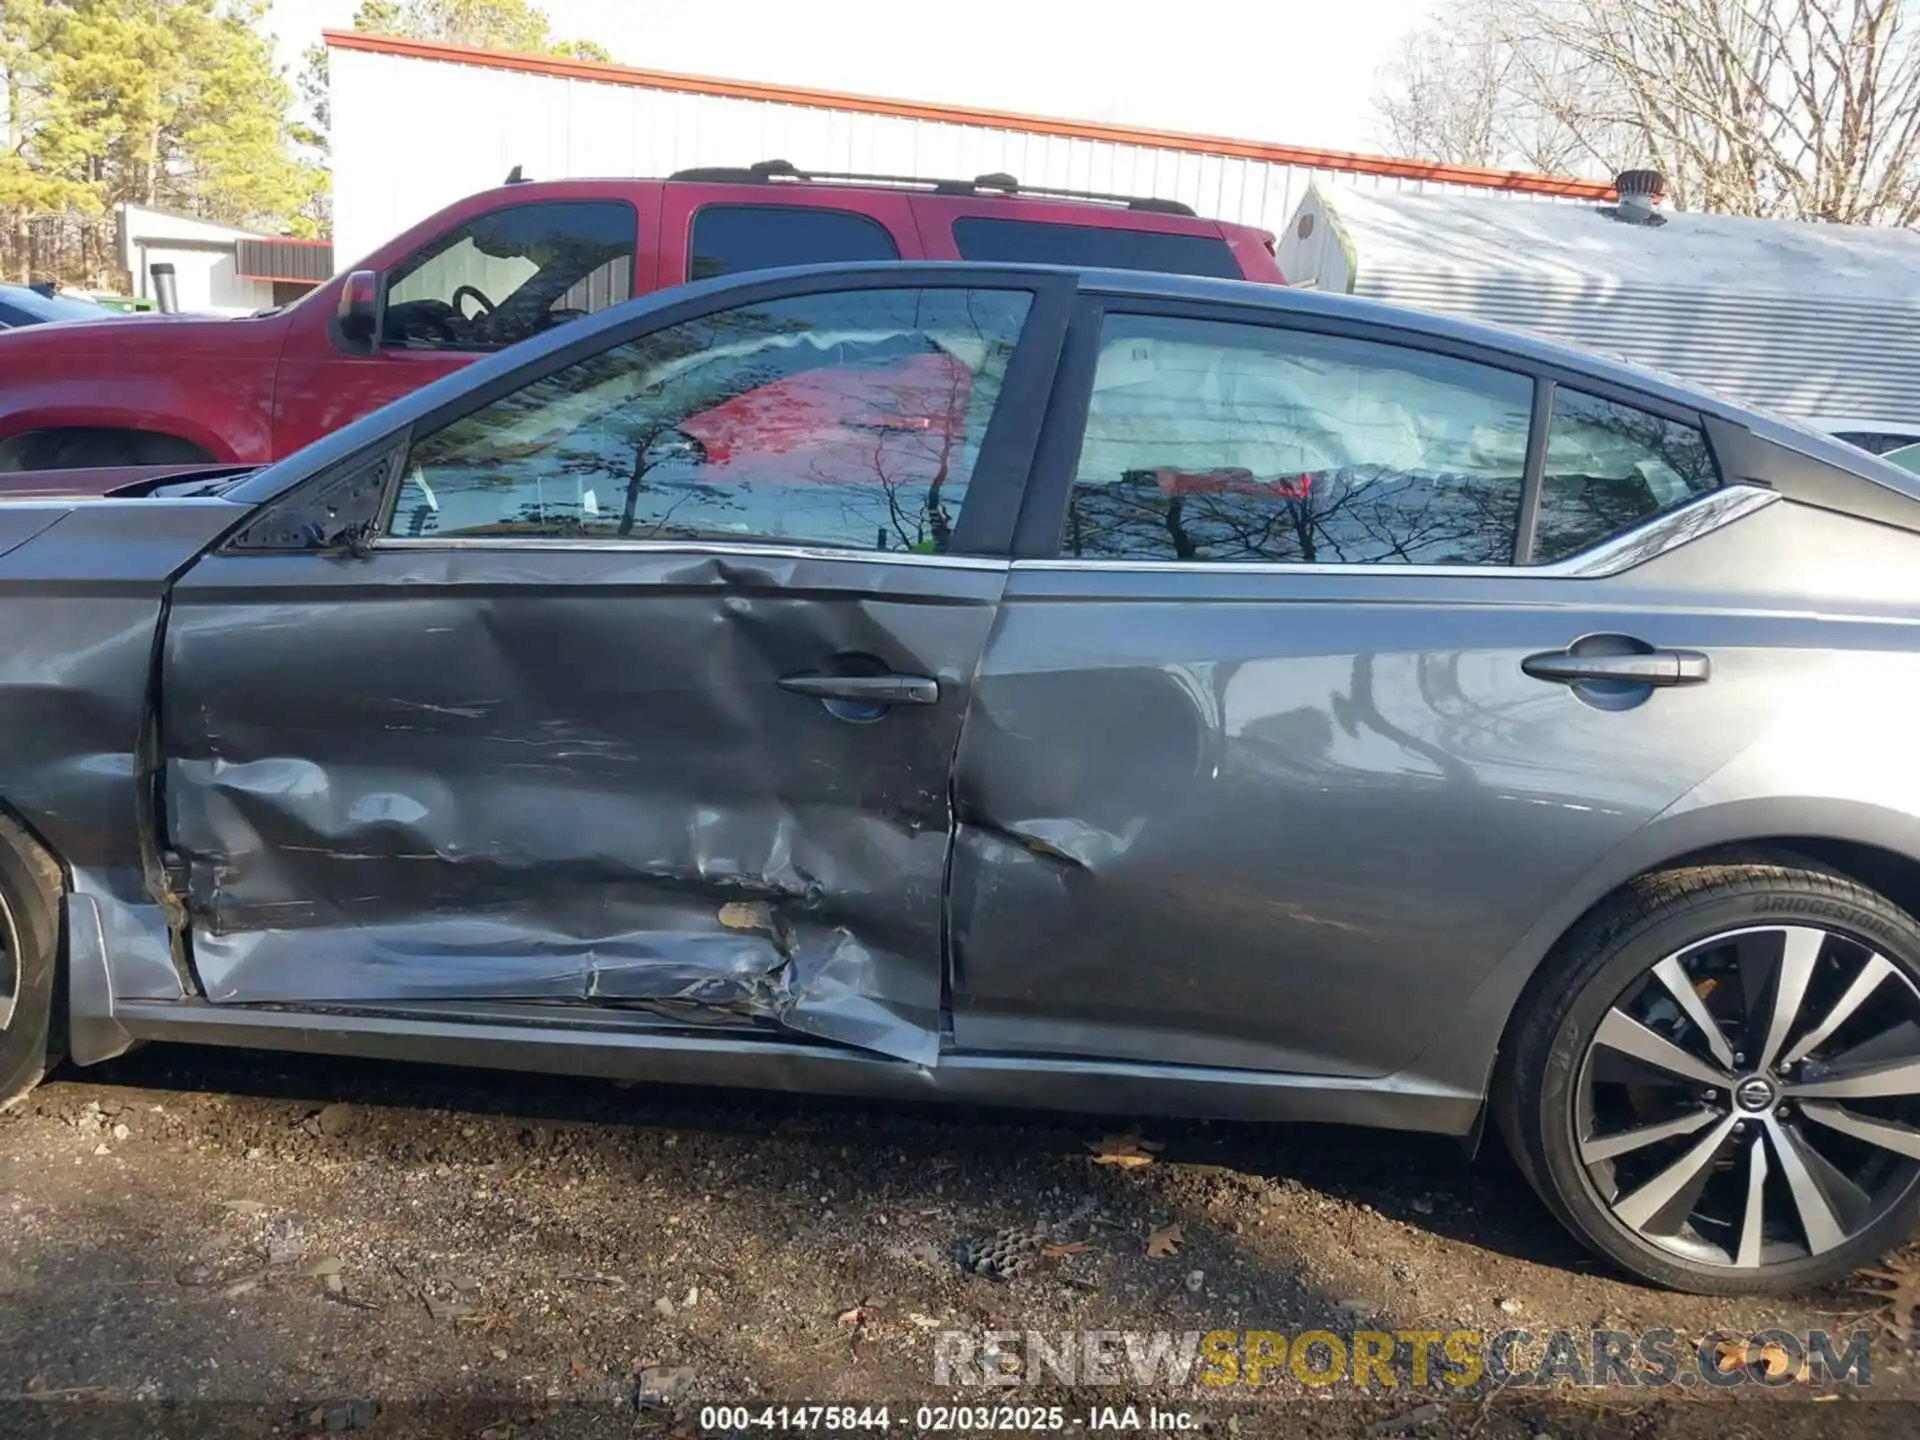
203	1242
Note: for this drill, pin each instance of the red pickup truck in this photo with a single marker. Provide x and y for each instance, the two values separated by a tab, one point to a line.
500	266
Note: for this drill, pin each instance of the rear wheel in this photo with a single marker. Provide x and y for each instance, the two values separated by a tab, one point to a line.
1717	1082
29	933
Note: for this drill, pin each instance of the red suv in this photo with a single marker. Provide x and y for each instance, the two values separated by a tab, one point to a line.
512	262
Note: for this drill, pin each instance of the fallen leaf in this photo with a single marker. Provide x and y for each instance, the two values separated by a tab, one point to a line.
1127	1150
746	915
579	1369
1054	1252
1165	1241
1774	1356
1731	1355
1897	1301
922	1322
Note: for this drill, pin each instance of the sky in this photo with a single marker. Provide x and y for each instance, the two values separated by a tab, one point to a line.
1296	72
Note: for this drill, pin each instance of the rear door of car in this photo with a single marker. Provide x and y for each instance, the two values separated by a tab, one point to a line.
1274	751
644	691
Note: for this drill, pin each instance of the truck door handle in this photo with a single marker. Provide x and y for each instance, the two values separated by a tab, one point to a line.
1639	667
866	689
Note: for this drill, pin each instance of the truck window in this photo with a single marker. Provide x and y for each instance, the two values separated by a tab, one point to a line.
511	273
730	238
1036	242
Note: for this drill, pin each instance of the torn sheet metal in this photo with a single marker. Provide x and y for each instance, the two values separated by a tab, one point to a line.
570	776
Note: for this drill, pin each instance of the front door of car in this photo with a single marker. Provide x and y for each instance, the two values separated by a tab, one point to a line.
645	693
481	285
1259	772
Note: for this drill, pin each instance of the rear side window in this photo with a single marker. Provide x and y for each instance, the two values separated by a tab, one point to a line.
1610	466
1093	246
730	238
1216	441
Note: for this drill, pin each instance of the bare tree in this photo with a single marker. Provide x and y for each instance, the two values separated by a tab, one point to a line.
1459	91
1804	109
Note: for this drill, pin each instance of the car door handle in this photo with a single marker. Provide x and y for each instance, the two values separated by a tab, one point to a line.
866	689
1647	667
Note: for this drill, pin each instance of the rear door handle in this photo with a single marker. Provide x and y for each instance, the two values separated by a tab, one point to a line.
1646	667
866	689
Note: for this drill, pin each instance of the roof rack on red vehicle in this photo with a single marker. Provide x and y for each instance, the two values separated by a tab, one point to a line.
766	172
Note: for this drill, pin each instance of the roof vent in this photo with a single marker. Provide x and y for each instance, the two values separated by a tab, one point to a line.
1638	190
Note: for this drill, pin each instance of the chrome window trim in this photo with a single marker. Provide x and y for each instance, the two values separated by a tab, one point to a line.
590	545
1699	516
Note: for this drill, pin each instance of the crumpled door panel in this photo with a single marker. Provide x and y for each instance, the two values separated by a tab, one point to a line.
479	782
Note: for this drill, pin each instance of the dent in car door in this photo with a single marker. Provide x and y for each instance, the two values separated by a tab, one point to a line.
1223	802
588	734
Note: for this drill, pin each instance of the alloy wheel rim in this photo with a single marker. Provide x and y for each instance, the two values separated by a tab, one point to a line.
1754	1098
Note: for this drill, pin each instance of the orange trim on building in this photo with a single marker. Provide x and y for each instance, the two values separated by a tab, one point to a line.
1519	181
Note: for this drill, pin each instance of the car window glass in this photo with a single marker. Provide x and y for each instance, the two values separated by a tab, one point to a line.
1036	242
851	420
1609	466
730	238
1877	442
1214	441
511	273
23	306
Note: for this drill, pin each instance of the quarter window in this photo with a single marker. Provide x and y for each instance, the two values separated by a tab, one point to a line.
1610	466
730	238
852	420
1216	441
511	273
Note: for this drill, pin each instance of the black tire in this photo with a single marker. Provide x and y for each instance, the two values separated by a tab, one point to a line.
84	449
31	1043
1654	917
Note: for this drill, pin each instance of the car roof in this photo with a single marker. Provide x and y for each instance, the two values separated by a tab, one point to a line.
1145	285
1119	211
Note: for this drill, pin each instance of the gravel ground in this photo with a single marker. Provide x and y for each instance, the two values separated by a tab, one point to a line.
217	1242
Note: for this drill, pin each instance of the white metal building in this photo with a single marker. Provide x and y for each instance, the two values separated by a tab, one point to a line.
1819	322
417	125
218	270
203	254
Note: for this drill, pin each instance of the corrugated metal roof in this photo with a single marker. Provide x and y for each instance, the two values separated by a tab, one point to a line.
1467	235
1798	356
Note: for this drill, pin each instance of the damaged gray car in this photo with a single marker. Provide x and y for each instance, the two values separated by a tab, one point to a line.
1093	690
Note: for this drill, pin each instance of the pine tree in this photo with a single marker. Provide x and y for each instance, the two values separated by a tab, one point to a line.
172	103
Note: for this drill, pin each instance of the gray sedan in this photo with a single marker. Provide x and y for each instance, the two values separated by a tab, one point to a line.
1021	685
